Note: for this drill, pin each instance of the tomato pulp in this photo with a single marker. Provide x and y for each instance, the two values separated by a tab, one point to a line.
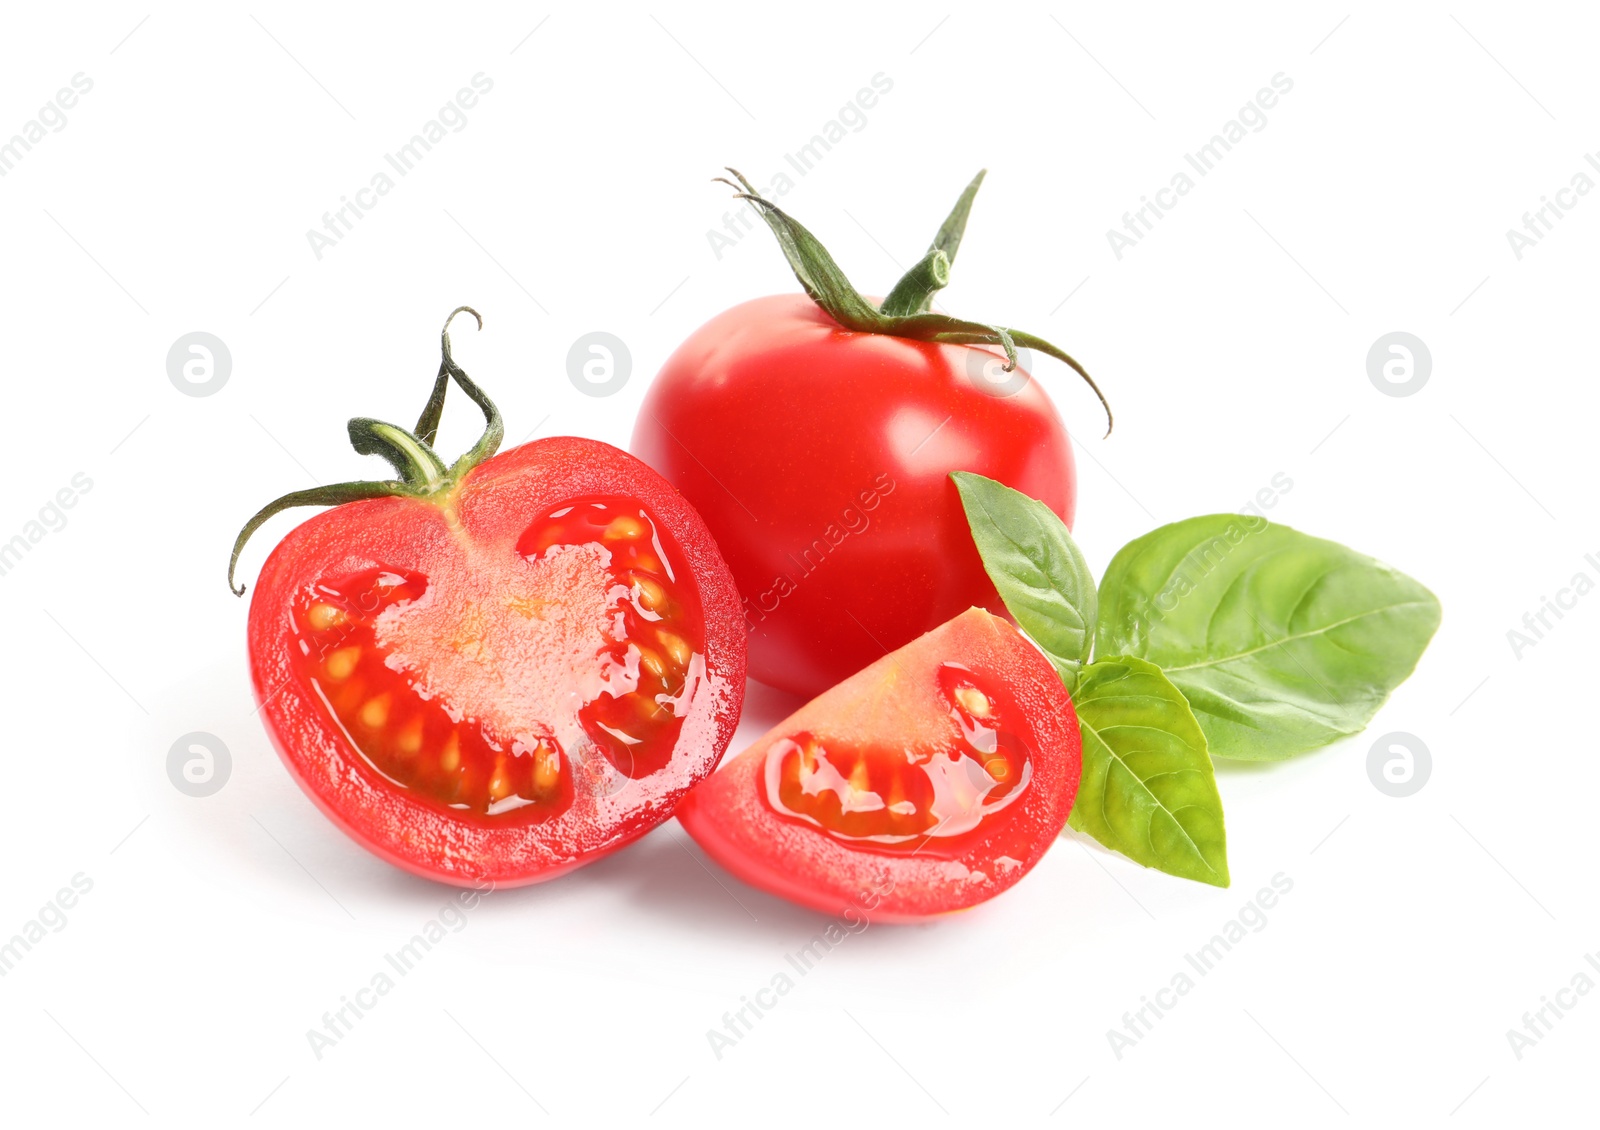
928	782
820	459
493	672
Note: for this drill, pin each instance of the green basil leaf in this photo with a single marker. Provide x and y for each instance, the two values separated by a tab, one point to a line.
1037	569
1281	642
1148	789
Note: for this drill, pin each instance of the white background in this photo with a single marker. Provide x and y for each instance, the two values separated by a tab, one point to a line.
1232	340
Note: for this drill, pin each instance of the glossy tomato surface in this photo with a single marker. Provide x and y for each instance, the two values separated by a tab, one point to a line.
930	781
500	683
820	460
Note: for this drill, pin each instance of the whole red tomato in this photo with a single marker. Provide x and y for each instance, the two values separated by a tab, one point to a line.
816	434
821	460
496	671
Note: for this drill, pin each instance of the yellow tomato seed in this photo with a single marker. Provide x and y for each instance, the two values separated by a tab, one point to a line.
974	701
623	528
376	712
676	647
651	662
499	784
546	769
651	595
325	616
858	776
410	739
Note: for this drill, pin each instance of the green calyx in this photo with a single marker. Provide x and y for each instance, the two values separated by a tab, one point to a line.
421	473
905	312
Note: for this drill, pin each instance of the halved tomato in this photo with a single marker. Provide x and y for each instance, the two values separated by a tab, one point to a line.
493	672
928	782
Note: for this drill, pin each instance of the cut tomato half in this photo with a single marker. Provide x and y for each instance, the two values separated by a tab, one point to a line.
491	672
502	682
928	782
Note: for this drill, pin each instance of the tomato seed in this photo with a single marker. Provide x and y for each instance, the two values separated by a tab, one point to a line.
651	662
858	777
974	701
546	769
376	712
651	595
624	528
324	616
343	662
676	646
410	739
500	783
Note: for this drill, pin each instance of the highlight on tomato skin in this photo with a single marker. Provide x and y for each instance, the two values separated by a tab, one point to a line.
930	781
850	482
797	423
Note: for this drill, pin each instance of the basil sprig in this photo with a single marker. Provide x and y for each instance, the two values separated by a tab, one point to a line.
1220	636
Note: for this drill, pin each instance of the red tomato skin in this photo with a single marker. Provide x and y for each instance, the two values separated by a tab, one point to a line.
729	817
494	503
823	456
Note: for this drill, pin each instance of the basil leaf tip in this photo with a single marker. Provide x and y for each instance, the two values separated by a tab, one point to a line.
1281	642
1037	569
1148	788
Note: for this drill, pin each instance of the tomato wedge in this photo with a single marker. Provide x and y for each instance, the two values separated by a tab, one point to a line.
496	673
928	782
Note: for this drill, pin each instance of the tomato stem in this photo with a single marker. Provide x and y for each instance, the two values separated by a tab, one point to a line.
422	473
406	453
494	430
428	423
904	312
335	494
913	294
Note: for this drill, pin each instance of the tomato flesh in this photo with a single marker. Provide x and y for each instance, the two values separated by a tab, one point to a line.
930	781
657	657
508	680
414	742
887	797
634	682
